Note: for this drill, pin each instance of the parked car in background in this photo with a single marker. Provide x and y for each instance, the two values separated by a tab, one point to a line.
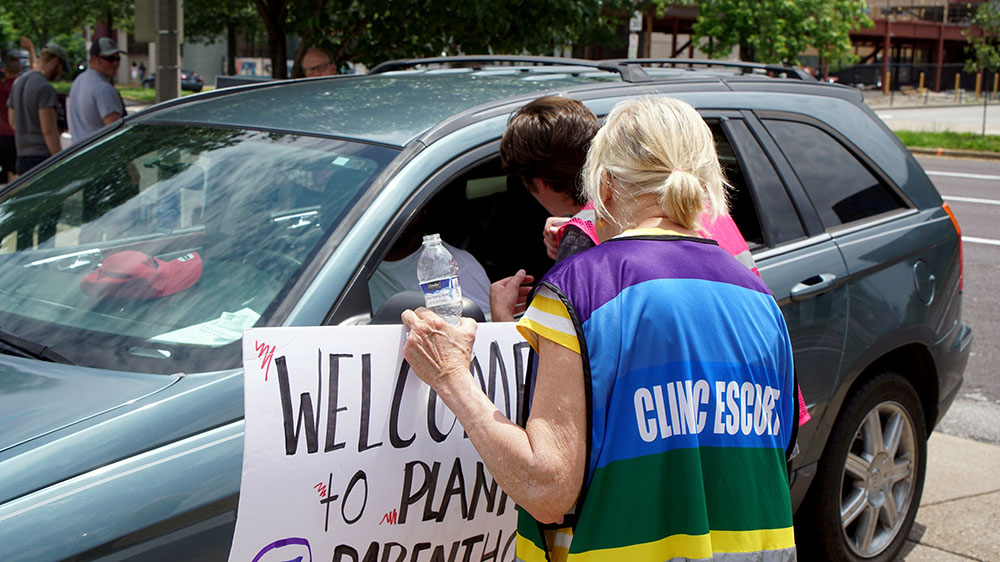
131	263
189	81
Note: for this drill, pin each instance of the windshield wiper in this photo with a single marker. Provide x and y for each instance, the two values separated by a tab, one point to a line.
20	347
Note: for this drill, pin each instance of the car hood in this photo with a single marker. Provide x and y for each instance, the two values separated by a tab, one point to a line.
38	398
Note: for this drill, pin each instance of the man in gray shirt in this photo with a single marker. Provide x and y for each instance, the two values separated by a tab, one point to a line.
31	109
93	101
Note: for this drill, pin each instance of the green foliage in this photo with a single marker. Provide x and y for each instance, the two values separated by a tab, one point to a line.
777	31
957	141
372	31
206	21
985	49
45	20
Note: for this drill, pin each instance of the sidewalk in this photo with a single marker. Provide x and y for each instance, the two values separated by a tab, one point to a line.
959	512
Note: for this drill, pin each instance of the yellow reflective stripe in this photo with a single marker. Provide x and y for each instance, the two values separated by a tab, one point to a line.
694	546
566	340
753	541
549	305
528	551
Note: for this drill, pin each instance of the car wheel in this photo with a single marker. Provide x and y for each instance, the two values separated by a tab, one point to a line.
867	488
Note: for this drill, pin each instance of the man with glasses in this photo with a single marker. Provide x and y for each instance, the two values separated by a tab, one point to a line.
317	62
93	100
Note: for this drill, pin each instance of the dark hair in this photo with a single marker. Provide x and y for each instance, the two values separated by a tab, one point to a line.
548	139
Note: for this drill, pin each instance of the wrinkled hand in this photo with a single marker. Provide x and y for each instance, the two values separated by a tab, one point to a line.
509	296
436	350
550	234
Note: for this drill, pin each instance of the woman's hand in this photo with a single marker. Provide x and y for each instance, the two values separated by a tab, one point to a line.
509	296
436	350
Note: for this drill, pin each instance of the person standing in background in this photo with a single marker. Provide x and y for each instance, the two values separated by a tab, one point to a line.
8	148
31	109
93	100
317	62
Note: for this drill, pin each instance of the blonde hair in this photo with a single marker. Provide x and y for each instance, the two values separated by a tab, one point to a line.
658	146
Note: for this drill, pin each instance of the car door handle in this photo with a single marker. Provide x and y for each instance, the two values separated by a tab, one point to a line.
814	286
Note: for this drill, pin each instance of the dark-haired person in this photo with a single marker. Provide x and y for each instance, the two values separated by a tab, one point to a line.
93	100
31	109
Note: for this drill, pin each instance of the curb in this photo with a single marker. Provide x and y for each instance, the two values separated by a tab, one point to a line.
985	155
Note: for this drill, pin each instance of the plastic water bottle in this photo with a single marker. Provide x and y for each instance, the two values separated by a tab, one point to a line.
437	273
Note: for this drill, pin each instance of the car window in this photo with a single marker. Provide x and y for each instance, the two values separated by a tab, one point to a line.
757	186
172	239
492	219
840	186
741	204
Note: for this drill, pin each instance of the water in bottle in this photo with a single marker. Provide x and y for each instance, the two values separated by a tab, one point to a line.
437	273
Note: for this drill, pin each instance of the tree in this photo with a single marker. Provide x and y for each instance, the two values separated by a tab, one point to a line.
44	21
985	48
372	31
274	14
778	31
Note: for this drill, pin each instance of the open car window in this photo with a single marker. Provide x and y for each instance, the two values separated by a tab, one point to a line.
173	239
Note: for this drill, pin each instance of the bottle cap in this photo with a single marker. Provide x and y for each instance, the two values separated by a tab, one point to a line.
432	238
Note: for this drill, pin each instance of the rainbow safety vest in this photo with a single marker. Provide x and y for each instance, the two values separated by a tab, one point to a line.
690	399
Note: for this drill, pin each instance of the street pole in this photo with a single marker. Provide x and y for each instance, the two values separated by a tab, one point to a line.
168	76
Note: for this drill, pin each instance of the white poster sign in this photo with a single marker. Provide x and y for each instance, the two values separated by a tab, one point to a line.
349	457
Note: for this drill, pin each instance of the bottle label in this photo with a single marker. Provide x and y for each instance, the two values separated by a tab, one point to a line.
441	291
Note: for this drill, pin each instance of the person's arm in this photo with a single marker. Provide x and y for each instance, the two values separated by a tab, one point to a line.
50	128
30	47
111	117
540	466
10	118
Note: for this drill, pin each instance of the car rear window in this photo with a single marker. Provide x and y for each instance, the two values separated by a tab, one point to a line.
840	186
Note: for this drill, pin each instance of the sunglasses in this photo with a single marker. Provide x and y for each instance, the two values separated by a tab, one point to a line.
114	58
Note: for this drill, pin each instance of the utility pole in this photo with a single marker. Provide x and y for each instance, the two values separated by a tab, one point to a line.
168	50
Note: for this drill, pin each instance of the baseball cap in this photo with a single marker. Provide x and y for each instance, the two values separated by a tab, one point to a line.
58	52
104	47
133	275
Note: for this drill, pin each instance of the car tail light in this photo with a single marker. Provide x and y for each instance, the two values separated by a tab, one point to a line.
184	76
961	261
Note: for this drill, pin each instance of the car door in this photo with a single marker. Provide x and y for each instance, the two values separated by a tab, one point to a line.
798	260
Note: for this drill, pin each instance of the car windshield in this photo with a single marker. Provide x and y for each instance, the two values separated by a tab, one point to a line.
154	249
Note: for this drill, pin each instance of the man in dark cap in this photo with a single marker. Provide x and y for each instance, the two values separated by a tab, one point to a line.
31	109
93	100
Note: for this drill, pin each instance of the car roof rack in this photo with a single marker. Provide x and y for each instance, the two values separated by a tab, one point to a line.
632	69
477	61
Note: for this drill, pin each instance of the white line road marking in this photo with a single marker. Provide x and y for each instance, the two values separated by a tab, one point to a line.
981	241
963	175
970	200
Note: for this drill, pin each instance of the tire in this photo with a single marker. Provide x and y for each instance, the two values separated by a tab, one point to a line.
864	499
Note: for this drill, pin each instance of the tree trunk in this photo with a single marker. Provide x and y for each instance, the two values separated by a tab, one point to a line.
273	13
231	48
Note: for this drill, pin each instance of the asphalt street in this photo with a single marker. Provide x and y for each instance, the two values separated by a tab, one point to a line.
972	190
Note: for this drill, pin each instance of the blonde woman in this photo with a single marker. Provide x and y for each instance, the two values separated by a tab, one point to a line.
662	399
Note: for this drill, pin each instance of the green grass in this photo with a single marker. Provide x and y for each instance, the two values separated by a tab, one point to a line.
135	93
959	141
